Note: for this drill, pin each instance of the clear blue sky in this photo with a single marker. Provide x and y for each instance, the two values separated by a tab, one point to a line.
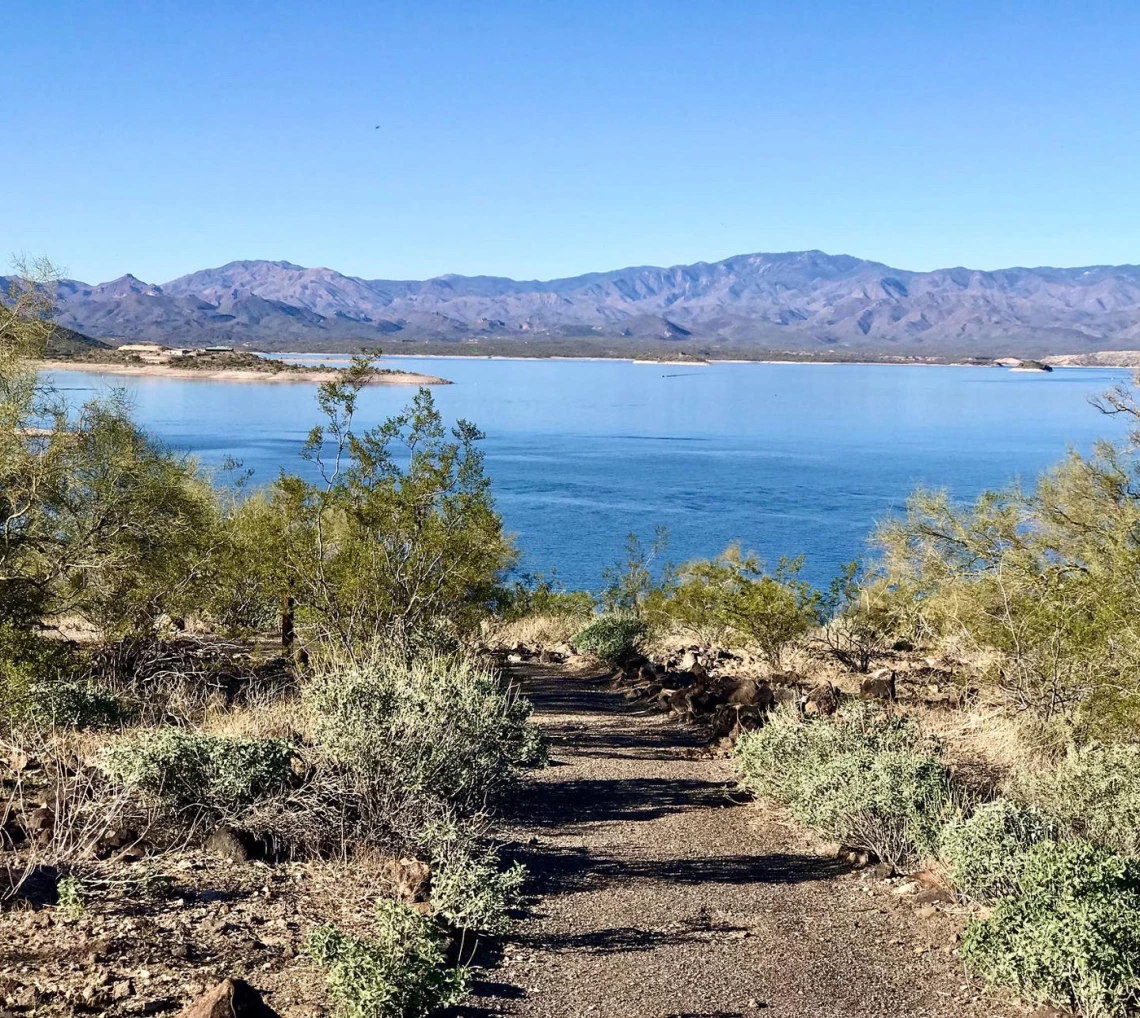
541	139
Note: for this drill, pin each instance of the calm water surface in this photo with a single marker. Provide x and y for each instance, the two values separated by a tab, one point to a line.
787	458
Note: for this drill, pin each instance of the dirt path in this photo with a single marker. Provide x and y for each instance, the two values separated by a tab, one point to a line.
663	895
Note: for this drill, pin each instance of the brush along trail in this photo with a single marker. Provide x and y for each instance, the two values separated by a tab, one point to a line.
660	891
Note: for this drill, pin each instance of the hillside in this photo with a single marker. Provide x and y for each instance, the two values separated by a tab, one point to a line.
803	301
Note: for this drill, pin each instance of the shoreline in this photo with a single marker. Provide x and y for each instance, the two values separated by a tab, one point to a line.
316	375
817	362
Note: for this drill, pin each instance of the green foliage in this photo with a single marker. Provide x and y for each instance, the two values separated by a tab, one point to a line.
536	595
469	887
611	638
866	780
1070	936
71	898
440	729
862	617
398	543
1050	579
401	971
633	587
984	853
42	686
1093	793
733	598
189	770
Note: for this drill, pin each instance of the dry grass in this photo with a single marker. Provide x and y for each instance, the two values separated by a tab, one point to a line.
542	632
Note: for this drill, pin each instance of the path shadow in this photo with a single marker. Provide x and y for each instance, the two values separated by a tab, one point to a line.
598	800
559	871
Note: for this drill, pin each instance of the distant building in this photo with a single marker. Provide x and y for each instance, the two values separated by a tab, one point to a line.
142	348
218	349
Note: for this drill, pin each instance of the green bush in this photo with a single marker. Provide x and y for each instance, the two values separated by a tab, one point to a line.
399	972
734	598
866	780
469	887
984	853
41	685
183	769
442	730
611	638
1094	794
1071	936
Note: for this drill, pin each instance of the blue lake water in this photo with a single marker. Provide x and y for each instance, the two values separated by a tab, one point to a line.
788	459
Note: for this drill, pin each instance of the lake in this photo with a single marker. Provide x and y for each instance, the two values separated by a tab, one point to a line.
787	458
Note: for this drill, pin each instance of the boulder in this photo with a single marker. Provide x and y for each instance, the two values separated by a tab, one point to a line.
750	693
691	663
232	998
232	844
822	699
785	696
879	686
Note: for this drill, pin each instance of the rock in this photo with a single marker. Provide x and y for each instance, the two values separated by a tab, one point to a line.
409	877
123	989
879	686
785	696
750	693
881	870
724	720
822	699
856	857
230	844
932	896
926	912
233	998
691	663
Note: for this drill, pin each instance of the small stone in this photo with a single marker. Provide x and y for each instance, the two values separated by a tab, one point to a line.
122	989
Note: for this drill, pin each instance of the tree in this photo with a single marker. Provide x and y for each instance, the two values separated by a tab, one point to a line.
398	542
97	519
734	597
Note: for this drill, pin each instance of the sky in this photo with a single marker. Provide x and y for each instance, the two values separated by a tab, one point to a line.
543	139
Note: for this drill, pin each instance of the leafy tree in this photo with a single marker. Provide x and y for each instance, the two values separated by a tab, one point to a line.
96	519
1050	579
398	542
734	597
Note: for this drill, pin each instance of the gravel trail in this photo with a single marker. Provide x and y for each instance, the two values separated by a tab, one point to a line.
660	892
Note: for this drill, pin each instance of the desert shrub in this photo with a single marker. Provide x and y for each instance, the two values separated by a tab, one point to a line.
469	886
1093	793
1044	582
1070	936
401	971
445	730
42	685
868	781
185	769
864	616
537	596
611	638
984	853
734	598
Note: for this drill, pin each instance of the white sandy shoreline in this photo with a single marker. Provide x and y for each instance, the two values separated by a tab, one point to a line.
232	374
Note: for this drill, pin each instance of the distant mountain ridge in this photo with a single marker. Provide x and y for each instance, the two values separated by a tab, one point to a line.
799	301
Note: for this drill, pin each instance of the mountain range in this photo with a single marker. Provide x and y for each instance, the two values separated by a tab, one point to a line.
799	301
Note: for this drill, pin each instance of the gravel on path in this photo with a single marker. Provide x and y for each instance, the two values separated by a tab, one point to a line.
661	892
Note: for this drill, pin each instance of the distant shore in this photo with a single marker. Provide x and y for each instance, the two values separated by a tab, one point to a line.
224	374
